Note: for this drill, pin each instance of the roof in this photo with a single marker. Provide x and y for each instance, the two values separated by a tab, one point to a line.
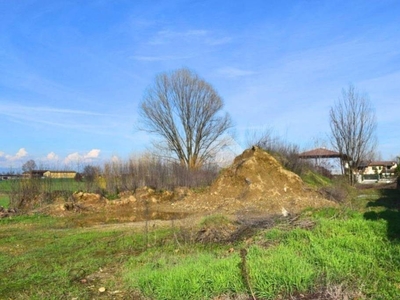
320	153
56	171
35	172
380	163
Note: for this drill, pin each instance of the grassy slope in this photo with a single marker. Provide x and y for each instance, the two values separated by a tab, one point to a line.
354	249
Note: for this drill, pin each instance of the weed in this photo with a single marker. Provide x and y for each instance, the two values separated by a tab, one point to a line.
244	272
215	221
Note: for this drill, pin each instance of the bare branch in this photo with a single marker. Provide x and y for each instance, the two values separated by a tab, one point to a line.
353	127
184	110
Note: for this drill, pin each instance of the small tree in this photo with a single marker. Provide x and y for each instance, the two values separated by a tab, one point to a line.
90	173
29	166
184	111
353	126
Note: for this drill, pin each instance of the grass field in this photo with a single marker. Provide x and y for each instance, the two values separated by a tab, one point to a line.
7	187
352	251
4	200
54	184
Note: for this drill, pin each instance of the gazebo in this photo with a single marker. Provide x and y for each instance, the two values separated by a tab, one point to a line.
322	153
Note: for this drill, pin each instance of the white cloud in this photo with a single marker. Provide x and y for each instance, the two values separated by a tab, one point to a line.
52	156
115	159
235	72
7	160
73	157
87	157
94	153
20	154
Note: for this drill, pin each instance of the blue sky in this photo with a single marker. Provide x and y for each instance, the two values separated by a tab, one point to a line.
72	73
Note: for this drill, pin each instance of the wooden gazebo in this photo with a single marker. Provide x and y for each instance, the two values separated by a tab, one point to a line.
322	153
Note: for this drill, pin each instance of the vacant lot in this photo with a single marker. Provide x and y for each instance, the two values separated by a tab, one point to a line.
347	252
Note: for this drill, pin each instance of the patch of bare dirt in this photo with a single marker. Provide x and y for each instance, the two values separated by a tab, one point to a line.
256	184
377	186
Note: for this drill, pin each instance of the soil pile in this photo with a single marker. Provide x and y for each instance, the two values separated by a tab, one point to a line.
256	183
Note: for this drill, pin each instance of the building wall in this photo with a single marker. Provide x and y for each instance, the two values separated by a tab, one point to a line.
377	169
55	174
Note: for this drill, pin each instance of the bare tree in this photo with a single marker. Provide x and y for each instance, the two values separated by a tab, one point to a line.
29	166
185	112
353	127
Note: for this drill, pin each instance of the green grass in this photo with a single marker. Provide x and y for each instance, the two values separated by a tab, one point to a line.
5	186
215	220
4	200
315	180
194	275
54	184
39	259
342	250
354	247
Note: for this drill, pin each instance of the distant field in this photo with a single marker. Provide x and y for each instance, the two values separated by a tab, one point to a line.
5	186
53	184
47	185
4	200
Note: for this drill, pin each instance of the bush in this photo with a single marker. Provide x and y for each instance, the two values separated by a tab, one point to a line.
156	173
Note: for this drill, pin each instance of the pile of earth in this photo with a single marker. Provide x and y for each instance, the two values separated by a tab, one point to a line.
255	183
137	206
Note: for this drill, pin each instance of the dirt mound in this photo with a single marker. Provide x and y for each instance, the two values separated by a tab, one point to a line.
256	183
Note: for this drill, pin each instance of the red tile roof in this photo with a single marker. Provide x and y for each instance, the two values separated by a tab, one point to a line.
320	153
382	163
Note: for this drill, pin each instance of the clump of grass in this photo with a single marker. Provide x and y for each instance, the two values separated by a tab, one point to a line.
341	250
214	221
195	276
315	180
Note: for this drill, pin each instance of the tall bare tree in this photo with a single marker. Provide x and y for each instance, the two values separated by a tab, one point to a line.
185	112
29	166
353	127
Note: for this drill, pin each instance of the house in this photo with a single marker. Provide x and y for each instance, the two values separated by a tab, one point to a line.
33	174
59	174
48	174
377	169
9	176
